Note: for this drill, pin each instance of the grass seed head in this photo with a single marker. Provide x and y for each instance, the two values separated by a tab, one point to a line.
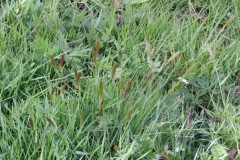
77	76
53	63
97	46
100	113
30	122
51	95
95	51
114	70
51	122
147	79
101	90
128	88
61	61
94	55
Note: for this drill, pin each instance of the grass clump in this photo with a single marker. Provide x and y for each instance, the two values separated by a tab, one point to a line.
119	79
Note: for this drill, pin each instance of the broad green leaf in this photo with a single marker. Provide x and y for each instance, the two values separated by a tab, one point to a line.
219	151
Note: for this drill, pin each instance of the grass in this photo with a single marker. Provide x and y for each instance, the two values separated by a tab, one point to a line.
135	80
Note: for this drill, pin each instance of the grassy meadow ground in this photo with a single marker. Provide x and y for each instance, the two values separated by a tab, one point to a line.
140	79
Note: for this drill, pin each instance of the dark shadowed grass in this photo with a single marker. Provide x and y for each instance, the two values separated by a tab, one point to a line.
119	79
